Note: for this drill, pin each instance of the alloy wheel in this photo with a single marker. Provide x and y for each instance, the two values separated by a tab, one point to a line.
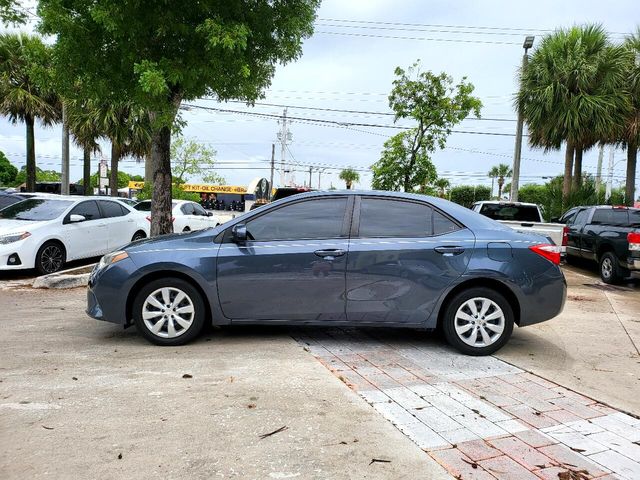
51	258
607	267
168	312
479	322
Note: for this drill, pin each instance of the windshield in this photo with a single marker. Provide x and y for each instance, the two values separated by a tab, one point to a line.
521	213
35	209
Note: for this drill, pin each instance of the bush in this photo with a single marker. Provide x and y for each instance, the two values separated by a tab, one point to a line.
467	195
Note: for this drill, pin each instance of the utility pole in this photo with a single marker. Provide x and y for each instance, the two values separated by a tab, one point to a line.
273	161
599	172
64	177
320	171
310	172
515	178
607	195
284	136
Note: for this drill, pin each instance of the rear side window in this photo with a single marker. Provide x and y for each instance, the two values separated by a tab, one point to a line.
112	209
88	210
394	218
611	216
143	206
519	213
442	224
312	219
634	218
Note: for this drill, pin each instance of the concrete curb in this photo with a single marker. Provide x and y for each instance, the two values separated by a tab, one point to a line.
61	281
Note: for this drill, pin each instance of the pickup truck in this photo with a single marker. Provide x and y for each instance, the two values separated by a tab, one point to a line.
523	217
608	235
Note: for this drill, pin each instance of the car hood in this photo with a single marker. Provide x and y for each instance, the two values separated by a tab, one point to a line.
16	226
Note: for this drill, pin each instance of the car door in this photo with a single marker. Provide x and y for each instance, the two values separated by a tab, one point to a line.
88	238
402	256
120	225
293	266
204	220
574	235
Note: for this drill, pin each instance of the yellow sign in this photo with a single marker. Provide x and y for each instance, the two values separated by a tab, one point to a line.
200	188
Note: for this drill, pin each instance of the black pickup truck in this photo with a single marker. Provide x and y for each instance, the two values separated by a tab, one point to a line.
607	235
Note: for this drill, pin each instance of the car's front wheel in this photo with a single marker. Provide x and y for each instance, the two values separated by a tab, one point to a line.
50	258
169	311
478	321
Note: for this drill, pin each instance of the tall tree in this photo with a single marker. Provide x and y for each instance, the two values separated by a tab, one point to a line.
631	129
436	105
8	171
190	158
25	94
11	12
81	117
500	172
571	92
161	53
349	176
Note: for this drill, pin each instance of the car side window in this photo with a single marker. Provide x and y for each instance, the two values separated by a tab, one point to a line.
88	210
112	209
443	224
620	216
581	218
381	217
198	210
310	219
143	206
187	209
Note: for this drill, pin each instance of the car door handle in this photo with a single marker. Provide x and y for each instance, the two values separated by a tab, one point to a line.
330	254
449	250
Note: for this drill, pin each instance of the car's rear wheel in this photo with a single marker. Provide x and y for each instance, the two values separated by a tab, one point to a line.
139	235
610	271
50	258
169	311
478	321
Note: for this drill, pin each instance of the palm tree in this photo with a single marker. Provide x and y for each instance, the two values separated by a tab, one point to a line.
81	118
350	177
631	130
571	92
442	184
25	94
128	127
500	172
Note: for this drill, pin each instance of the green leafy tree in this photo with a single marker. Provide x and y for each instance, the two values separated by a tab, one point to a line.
349	176
631	130
190	158
41	176
500	172
442	185
572	92
8	172
10	12
436	105
467	195
81	118
159	54
25	93
123	179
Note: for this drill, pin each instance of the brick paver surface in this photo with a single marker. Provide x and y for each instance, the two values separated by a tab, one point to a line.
480	417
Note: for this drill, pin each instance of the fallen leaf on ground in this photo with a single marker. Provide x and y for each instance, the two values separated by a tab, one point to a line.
473	464
119	456
251	405
47	428
579	450
74	378
265	435
379	460
187	375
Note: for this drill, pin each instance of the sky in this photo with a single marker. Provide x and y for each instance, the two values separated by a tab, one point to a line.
348	64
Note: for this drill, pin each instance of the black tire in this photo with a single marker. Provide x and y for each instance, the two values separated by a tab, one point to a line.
163	337
50	258
449	321
610	271
139	235
186	229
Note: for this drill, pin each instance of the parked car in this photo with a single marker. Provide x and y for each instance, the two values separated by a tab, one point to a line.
523	217
7	199
45	233
604	234
336	259
187	216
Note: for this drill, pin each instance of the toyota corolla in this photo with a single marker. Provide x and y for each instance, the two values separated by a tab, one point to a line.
337	259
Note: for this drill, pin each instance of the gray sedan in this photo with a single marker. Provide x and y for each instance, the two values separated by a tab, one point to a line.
337	259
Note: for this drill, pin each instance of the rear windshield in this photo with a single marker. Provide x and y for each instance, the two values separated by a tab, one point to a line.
35	209
520	213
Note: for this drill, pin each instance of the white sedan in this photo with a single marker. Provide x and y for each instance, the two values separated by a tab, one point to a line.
187	215
45	233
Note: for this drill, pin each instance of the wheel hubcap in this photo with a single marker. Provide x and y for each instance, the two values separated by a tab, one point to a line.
479	322
607	267
51	259
168	312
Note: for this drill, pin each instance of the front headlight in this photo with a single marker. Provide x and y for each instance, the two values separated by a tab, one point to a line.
13	237
111	258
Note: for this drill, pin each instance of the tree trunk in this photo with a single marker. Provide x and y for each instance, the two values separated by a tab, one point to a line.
632	157
113	175
161	199
148	169
568	166
348	185
31	156
577	171
86	171
500	185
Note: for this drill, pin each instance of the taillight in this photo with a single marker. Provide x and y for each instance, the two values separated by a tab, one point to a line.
634	241
565	236
550	252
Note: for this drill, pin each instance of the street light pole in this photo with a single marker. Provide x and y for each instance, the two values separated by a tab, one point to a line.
64	174
515	179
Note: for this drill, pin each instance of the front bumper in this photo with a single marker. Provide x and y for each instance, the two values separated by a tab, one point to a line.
108	292
23	249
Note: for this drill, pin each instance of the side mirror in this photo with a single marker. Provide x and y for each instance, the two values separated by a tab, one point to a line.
76	218
209	214
239	233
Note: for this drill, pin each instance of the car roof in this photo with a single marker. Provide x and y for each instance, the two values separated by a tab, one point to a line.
506	202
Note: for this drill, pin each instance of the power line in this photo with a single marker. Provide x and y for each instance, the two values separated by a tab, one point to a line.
395	37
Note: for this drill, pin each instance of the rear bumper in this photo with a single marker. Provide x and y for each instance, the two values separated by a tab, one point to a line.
545	299
633	264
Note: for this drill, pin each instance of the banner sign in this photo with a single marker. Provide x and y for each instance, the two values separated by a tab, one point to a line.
200	188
